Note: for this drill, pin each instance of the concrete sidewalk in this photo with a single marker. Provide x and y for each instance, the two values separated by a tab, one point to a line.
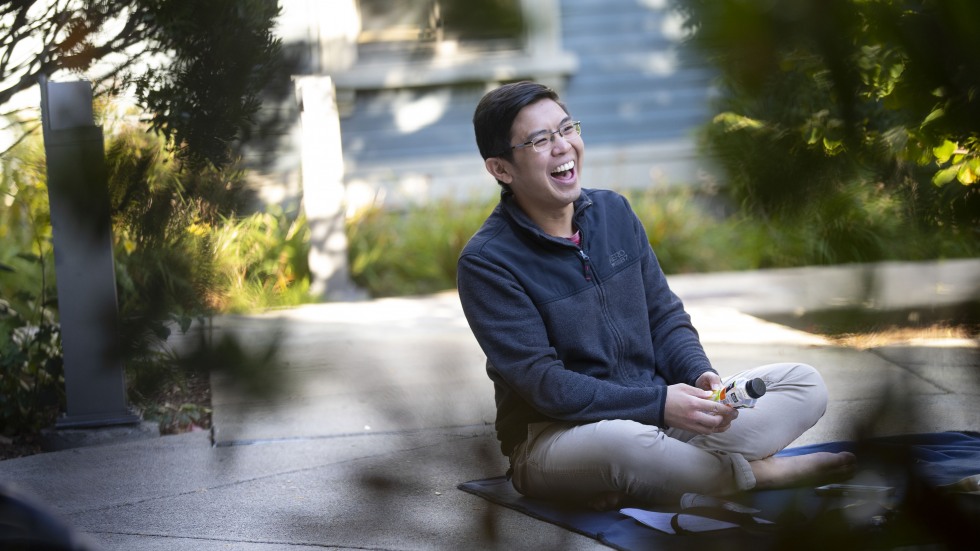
389	408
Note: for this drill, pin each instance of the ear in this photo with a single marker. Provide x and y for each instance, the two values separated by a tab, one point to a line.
499	169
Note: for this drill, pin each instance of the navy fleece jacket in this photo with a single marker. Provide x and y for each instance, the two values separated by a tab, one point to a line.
575	334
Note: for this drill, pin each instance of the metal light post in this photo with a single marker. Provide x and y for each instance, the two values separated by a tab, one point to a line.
78	194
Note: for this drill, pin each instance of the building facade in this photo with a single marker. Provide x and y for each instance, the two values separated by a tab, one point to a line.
403	78
375	101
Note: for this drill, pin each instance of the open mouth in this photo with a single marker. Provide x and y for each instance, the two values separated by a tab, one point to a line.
564	171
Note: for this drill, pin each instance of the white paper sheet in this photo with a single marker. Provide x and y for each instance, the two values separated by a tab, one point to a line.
691	523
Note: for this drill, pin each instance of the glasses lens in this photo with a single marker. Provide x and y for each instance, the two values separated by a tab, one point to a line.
567	131
571	129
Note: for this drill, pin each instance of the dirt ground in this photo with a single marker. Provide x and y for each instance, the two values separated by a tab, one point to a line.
178	408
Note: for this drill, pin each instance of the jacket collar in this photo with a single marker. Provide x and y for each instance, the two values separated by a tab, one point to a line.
523	221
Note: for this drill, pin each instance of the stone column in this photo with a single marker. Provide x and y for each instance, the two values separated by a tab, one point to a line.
323	188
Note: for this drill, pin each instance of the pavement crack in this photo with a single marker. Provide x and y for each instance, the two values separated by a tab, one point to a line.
237	540
913	372
314	437
269	476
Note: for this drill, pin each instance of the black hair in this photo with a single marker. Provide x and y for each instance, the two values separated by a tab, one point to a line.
497	110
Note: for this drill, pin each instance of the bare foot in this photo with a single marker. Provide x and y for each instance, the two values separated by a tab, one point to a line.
780	472
606	501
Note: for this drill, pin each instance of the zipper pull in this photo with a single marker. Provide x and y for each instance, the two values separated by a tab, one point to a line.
586	265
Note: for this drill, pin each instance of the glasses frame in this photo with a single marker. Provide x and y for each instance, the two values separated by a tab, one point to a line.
577	125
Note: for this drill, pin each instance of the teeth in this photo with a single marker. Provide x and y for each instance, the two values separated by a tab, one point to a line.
562	168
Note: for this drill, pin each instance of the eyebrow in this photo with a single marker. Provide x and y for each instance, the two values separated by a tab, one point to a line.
536	133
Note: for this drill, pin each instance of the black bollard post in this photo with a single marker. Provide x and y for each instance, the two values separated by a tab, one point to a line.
77	190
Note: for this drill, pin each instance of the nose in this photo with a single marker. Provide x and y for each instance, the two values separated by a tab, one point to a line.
560	142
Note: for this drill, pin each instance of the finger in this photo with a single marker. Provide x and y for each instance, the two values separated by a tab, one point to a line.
724	418
699	392
713	421
720	410
724	425
717	416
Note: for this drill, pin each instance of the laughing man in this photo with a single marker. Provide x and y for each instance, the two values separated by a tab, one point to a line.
602	385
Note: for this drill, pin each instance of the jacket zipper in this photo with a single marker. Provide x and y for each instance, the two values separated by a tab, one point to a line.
587	271
586	265
586	261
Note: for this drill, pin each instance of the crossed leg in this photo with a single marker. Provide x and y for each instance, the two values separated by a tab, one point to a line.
603	463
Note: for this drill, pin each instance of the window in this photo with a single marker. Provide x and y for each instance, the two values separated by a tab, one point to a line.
424	27
408	43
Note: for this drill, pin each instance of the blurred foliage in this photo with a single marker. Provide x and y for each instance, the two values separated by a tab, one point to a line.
184	249
692	231
827	105
488	19
414	251
220	55
31	366
414	23
261	260
175	418
199	82
31	371
686	238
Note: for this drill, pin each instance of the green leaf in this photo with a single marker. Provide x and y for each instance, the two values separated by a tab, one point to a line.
896	70
29	257
813	137
833	147
732	122
966	175
944	151
945	175
185	323
934	115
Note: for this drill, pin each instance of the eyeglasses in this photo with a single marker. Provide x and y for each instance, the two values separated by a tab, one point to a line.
543	141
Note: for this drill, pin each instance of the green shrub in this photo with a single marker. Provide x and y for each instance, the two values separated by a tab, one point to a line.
854	132
413	251
687	237
183	250
261	261
31	368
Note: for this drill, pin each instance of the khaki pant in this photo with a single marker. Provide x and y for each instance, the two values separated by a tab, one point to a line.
576	462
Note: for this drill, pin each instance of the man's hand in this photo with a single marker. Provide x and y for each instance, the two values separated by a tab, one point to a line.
690	409
709	380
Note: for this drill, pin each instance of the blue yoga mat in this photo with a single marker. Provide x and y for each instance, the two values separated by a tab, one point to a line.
915	465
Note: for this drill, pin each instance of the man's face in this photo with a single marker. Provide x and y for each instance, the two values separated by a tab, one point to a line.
544	182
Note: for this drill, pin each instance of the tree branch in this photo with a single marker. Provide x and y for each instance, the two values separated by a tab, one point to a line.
21	138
